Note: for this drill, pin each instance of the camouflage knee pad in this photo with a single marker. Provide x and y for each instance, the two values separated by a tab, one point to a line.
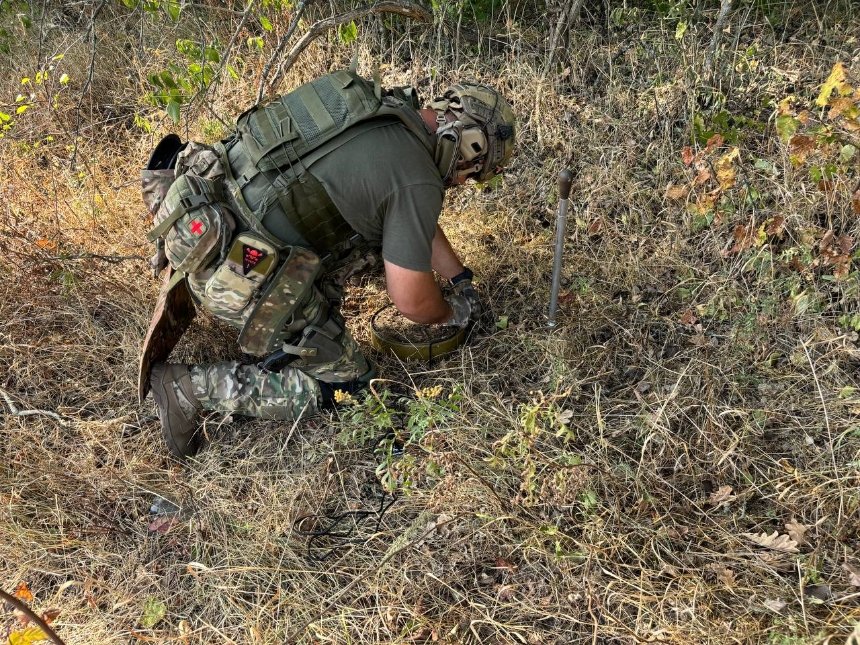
236	388
350	366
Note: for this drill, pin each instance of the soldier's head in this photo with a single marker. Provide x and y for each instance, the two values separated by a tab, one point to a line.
158	176
475	128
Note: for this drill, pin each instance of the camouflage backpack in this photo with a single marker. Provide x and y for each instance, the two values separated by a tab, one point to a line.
250	228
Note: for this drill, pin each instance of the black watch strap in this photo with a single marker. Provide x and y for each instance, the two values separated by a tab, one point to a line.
465	274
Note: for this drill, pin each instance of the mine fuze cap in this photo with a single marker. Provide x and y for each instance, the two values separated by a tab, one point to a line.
475	131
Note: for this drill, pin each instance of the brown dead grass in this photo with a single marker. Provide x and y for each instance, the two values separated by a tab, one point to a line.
593	484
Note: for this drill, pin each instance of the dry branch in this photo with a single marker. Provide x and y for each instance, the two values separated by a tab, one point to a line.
401	7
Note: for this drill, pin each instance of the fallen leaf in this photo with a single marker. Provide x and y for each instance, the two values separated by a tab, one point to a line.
22	592
163	523
724	167
714	142
855	201
773	541
676	192
796	531
48	245
776	605
153	611
835	82
800	146
688	318
702	177
840	106
50	615
27	637
853	574
854	638
722	495
687	155
775	226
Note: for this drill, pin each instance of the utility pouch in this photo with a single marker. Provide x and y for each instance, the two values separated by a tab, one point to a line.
233	285
194	221
288	292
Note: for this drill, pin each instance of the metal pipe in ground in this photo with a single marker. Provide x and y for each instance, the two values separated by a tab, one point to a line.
565	178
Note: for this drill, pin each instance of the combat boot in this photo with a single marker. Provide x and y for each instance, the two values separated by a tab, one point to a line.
177	408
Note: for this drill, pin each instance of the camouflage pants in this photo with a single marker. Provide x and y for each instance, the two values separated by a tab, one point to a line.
237	388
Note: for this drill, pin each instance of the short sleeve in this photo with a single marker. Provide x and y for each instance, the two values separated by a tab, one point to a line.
409	217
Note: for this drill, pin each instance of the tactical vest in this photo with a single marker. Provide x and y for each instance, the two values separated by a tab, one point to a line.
255	233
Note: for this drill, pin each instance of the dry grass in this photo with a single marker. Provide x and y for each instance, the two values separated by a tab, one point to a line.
592	485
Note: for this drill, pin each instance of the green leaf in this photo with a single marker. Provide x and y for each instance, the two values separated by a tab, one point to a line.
502	322
173	9
21	109
232	72
64	79
680	30
266	23
786	126
347	33
4	117
847	153
153	611
173	110
212	55
255	42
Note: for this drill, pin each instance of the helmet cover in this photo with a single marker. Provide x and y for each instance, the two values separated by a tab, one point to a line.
474	104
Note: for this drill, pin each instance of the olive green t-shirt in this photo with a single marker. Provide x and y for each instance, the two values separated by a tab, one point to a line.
387	187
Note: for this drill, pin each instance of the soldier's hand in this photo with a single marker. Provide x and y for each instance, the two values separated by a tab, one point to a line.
462	286
462	315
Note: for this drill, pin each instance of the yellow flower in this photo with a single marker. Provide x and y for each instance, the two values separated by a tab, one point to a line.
430	392
343	397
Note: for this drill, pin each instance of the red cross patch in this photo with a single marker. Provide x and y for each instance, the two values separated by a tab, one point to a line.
196	227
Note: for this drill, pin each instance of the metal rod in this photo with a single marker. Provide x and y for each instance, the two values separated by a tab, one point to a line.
565	177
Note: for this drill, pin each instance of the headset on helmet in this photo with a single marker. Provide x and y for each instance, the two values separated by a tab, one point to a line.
475	133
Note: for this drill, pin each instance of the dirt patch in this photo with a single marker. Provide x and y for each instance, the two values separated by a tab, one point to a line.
392	326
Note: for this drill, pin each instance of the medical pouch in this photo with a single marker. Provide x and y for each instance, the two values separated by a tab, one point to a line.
240	277
194	222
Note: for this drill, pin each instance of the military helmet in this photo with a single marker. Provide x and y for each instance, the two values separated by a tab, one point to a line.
475	133
157	177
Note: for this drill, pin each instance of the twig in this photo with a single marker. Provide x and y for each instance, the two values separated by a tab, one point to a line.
402	7
91	34
23	608
15	412
226	55
725	7
829	431
280	50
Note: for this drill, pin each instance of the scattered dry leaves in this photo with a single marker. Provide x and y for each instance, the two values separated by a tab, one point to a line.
775	605
853	573
796	531
677	193
773	541
722	495
22	592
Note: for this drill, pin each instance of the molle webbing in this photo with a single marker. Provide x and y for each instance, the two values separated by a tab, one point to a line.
267	160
